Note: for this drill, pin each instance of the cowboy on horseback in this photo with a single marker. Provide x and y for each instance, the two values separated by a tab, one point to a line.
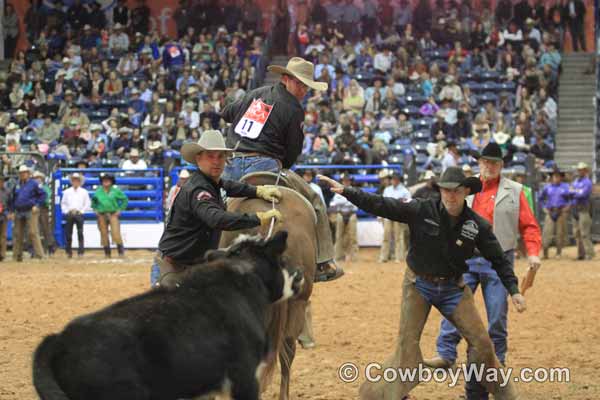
197	214
266	129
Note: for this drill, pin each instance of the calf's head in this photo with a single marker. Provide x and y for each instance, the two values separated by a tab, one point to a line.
266	257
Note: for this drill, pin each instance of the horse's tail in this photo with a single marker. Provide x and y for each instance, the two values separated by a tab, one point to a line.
43	376
275	332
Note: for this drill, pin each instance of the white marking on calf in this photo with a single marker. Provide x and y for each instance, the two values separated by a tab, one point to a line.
288	282
259	370
246	238
242	267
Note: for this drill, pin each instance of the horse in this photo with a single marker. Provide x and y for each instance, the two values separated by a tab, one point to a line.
286	320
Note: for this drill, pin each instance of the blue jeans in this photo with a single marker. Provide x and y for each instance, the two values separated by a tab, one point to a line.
496	305
443	296
154	273
240	166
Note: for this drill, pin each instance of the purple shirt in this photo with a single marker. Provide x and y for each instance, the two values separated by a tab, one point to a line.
555	196
581	190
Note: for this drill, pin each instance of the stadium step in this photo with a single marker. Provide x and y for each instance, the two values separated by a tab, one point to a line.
575	139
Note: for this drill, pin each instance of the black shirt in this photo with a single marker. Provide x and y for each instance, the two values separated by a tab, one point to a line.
282	136
438	247
198	215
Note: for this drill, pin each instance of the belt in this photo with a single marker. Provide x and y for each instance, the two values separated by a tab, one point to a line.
438	279
249	154
178	263
255	154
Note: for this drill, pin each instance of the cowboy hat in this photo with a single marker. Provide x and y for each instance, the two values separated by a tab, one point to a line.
492	152
300	69
12	127
501	137
107	176
24	168
582	165
184	174
39	174
210	140
76	175
134	153
21	112
454	177
154	145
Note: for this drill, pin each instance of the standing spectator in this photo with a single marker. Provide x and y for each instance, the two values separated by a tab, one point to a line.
184	175
554	200
4	204
575	12
140	18
74	203
346	245
108	202
44	220
121	13
397	230
76	15
402	16
503	12
97	17
351	22
521	11
10	23
581	193
369	18
35	20
26	199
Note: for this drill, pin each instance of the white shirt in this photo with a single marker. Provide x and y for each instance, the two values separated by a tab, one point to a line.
397	192
75	199
128	164
192	119
448	161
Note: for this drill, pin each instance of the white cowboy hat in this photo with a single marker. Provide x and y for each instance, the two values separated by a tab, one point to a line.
210	140
21	112
301	69
12	127
24	168
39	174
154	145
117	26
467	168
184	174
582	165
76	175
134	153
428	175
501	137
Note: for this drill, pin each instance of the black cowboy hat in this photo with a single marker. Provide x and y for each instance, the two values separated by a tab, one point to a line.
108	176
492	152
557	171
454	177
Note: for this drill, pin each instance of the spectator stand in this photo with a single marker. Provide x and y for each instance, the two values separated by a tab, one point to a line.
141	222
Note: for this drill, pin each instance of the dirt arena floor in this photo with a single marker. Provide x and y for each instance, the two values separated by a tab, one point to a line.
355	320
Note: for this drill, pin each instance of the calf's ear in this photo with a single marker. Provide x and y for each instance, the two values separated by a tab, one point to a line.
212	255
277	244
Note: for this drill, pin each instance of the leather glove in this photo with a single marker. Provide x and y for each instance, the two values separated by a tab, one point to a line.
265	216
268	193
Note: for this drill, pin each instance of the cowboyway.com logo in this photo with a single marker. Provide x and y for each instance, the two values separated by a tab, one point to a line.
470	229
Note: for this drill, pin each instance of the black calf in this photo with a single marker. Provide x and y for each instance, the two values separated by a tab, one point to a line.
208	335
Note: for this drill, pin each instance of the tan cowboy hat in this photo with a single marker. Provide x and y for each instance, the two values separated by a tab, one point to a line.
301	69
210	140
24	168
154	145
582	165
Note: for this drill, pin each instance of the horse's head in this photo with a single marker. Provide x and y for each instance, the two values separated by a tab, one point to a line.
266	257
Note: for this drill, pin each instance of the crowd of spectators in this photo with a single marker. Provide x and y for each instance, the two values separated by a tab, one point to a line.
437	82
93	90
412	78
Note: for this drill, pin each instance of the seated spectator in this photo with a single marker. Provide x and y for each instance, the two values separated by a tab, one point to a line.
118	42
519	140
113	86
440	130
481	133
550	56
49	132
405	127
134	161
388	122
323	143
120	145
128	64
541	149
354	99
382	63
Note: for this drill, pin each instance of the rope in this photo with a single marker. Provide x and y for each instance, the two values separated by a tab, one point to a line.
272	225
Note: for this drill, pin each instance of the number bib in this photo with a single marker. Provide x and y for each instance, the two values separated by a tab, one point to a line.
254	119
